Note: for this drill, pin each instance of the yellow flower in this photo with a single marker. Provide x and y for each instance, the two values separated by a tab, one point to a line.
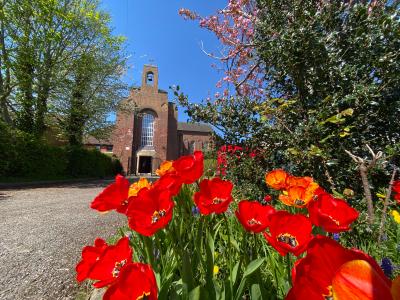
348	192
137	186
165	167
216	270
396	216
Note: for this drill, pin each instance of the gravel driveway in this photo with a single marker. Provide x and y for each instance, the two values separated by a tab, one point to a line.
42	232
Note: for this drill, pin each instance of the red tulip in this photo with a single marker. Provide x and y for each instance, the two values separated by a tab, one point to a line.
332	214
109	265
150	211
113	196
267	198
397	198
136	281
396	186
253	215
171	182
289	233
214	196
90	255
396	190
190	168
314	276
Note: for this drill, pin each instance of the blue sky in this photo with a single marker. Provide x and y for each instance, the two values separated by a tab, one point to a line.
156	34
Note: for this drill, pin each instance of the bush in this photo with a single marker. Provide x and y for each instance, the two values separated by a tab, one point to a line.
91	163
24	156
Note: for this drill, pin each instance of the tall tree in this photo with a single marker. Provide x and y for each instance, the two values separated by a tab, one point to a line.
42	41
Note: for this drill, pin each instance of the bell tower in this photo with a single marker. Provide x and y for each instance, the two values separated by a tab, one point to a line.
150	78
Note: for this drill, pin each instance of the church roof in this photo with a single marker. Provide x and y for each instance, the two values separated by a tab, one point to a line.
90	140
198	127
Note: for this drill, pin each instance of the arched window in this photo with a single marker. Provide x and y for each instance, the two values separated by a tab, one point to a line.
150	78
147	130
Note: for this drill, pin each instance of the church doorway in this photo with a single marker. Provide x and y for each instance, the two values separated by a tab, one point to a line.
144	166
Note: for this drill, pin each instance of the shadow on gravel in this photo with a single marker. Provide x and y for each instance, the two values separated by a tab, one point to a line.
79	184
84	184
4	196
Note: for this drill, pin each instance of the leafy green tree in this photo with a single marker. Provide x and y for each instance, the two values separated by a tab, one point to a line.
41	43
330	82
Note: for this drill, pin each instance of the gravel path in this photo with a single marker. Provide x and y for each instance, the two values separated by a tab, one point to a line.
42	232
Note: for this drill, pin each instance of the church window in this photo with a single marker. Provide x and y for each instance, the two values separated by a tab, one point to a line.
147	130
150	78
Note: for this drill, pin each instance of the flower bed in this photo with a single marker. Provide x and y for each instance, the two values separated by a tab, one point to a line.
188	238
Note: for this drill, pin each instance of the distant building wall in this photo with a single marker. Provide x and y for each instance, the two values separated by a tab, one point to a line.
190	141
173	146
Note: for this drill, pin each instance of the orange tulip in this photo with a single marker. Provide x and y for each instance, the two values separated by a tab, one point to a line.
299	196
357	279
277	179
330	271
137	186
396	288
165	167
299	181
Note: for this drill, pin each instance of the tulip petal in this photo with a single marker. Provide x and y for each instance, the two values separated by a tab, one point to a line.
357	279
396	288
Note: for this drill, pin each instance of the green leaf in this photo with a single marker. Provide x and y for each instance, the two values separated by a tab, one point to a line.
255	292
253	266
250	269
195	293
347	112
187	275
235	272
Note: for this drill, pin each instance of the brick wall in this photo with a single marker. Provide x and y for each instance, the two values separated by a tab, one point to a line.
173	147
168	142
198	138
149	99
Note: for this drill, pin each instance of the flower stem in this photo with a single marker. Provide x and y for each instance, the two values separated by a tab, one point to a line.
288	268
255	246
229	252
149	250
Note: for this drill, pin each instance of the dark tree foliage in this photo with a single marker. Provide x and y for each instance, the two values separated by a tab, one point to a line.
332	74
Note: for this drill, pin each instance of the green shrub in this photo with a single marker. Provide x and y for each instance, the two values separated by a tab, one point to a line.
24	156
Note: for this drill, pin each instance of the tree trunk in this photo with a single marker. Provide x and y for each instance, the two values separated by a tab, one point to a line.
44	82
5	82
77	113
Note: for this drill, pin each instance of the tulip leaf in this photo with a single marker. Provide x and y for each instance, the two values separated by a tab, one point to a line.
250	269
187	275
195	293
255	292
235	244
253	266
235	272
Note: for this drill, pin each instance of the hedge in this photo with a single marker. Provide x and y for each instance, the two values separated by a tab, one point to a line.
24	156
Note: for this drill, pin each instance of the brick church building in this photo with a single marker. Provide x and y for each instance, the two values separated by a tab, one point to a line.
144	139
